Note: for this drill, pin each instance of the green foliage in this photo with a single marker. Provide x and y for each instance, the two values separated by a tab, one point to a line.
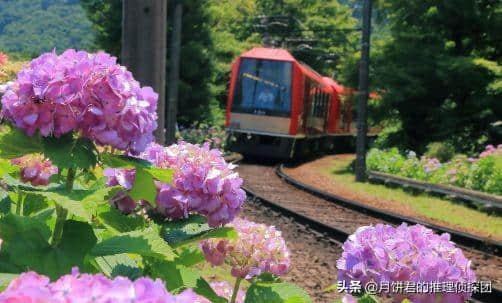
442	151
440	71
70	152
486	175
276	293
483	174
177	277
35	26
193	229
106	18
15	143
26	245
144	186
147	243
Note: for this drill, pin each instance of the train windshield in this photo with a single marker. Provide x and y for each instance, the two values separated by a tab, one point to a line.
263	87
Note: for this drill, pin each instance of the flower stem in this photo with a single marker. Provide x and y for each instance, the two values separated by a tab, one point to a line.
70	177
236	290
62	213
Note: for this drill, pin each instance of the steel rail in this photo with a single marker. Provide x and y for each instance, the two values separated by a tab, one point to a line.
341	236
489	201
459	237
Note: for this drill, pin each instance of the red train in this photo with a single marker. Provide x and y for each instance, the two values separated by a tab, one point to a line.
280	107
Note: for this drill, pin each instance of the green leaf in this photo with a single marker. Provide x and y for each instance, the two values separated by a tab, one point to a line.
26	242
162	174
144	187
276	293
68	152
7	168
367	298
79	203
119	265
122	161
15	143
63	199
5	280
113	219
146	243
177	277
5	201
33	203
190	256
195	228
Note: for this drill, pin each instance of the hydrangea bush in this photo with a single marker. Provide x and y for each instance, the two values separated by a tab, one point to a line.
383	253
127	212
483	173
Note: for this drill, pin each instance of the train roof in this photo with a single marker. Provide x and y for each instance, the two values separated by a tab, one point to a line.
269	53
340	89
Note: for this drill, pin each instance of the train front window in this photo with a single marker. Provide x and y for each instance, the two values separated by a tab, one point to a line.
263	87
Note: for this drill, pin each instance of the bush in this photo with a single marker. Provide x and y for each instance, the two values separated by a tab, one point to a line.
386	161
483	173
440	150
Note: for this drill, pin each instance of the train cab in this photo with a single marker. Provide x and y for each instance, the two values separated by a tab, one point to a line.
279	107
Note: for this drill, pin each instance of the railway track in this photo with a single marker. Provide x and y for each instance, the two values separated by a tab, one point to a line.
336	220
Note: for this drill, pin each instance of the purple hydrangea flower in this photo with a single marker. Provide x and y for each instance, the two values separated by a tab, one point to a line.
384	253
258	249
87	93
31	287
202	183
35	169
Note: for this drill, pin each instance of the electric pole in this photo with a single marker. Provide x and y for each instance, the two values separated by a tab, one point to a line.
174	71
362	106
144	38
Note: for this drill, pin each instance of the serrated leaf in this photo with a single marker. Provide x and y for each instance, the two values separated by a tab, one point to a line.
26	242
62	198
78	202
69	152
5	280
189	256
276	293
164	175
15	143
177	276
119	265
7	168
194	228
113	219
122	161
144	187
146	243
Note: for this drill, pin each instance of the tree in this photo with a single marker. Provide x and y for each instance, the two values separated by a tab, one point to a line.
441	71
32	27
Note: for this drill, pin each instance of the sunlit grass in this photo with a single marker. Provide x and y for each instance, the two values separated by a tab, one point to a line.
9	70
423	204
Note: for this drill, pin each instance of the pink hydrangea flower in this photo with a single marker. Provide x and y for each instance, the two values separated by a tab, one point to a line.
87	93
491	150
384	253
31	287
3	58
202	183
258	249
35	169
